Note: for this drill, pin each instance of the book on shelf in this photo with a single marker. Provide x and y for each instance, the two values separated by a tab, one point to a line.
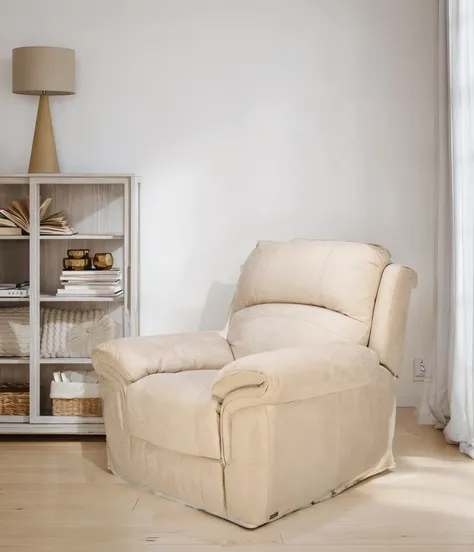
20	290
91	283
91	274
17	215
10	231
74	278
85	287
6	222
90	293
97	272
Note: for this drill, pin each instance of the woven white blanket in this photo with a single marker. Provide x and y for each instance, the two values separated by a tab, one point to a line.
74	333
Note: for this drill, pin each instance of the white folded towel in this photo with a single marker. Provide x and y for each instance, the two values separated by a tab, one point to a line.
74	390
75	384
76	376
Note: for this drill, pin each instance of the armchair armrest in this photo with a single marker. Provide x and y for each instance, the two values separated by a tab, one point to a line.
133	358
298	373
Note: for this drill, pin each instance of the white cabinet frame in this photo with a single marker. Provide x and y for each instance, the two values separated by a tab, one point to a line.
128	242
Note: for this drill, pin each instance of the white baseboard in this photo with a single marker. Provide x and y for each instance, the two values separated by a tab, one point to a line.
406	400
423	415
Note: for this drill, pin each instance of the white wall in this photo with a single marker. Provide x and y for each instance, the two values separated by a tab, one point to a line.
247	120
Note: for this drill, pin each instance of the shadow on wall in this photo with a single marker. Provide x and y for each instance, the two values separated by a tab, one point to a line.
5	75
216	309
19	118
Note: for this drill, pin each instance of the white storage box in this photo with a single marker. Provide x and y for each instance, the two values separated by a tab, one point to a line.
74	390
70	398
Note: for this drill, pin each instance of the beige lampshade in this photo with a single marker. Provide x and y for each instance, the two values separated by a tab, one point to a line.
44	70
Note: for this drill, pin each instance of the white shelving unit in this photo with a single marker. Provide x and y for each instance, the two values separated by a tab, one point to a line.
103	209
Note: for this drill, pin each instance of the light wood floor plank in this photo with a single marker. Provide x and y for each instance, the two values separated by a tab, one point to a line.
58	497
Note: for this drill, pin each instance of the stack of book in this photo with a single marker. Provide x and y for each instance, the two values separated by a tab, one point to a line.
91	283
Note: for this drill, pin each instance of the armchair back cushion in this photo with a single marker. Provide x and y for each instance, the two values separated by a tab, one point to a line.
305	292
263	328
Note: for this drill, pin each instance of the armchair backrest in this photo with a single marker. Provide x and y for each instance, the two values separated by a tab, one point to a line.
305	292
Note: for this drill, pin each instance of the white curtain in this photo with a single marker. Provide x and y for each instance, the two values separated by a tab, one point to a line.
452	389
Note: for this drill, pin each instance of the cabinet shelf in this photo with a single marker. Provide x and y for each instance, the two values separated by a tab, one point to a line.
14	420
14	299
51	297
83	237
67	237
14	360
84	360
20	427
48	418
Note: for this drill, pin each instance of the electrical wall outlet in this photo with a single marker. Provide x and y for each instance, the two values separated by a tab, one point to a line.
420	370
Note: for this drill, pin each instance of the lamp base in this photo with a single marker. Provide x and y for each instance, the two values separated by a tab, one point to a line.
44	157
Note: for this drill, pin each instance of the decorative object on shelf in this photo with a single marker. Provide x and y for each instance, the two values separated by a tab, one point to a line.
78	253
14	399
77	259
43	71
77	264
15	332
103	261
18	216
75	393
91	283
15	290
74	333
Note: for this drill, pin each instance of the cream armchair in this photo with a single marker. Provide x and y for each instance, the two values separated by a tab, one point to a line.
296	405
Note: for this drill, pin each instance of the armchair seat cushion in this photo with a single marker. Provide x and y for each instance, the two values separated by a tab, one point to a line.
176	412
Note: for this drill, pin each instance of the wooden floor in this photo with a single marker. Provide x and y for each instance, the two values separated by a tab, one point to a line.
57	497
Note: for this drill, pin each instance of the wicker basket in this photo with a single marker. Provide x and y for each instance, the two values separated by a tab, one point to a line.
14	399
77	407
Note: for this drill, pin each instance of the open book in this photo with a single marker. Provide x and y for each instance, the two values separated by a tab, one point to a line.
18	216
